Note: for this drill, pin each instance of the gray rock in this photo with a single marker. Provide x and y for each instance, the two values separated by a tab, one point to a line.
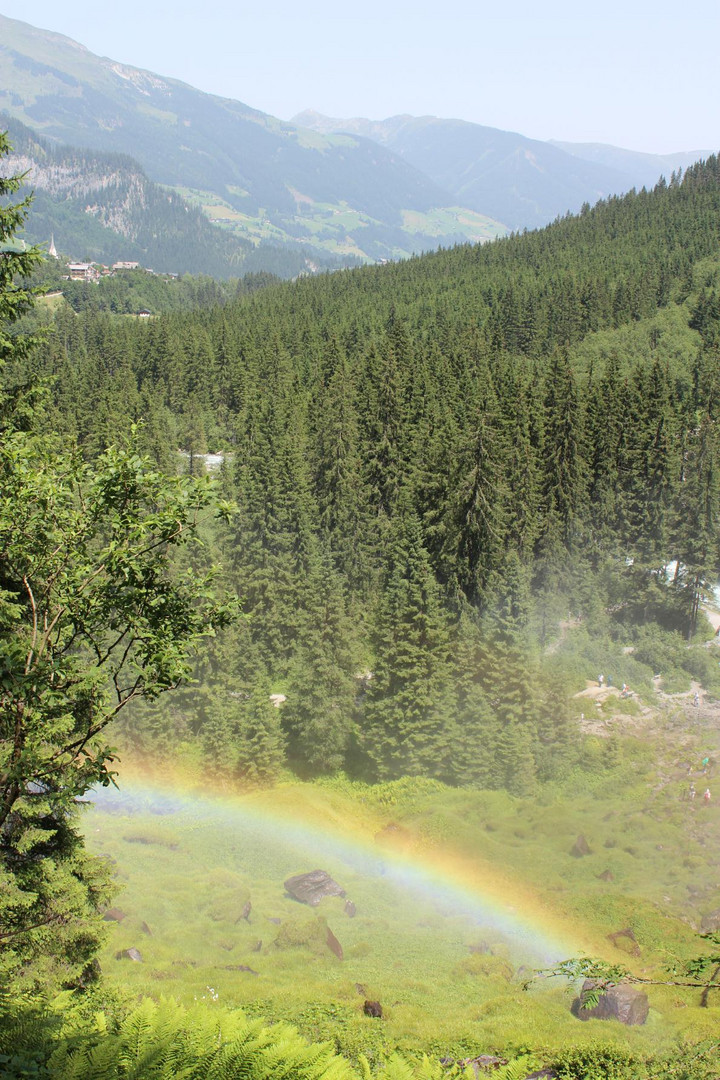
333	944
710	922
311	888
114	914
621	1002
580	848
130	954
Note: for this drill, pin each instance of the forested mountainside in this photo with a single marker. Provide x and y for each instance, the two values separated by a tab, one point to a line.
435	464
102	207
525	183
267	181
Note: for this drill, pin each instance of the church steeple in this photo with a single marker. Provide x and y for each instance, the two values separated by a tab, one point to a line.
52	250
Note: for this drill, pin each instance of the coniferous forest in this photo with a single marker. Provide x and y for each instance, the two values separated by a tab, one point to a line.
434	463
430	474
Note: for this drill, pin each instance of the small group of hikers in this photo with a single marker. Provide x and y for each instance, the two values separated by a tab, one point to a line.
604	681
706	794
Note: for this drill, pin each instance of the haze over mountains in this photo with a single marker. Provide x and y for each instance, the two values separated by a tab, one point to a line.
317	188
525	183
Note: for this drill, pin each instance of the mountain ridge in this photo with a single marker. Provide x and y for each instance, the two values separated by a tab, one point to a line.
273	182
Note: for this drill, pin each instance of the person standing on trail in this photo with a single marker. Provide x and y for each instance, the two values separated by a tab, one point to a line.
692	792
696	700
601	681
706	796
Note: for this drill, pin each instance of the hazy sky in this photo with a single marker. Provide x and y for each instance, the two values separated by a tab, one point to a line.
637	73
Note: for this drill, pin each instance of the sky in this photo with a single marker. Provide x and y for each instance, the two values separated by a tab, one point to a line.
637	74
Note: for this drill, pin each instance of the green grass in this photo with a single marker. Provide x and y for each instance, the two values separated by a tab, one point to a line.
187	875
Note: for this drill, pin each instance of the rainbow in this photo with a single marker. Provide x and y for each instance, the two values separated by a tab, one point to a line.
322	828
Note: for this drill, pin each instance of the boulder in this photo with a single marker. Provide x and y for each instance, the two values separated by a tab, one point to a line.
373	1008
626	941
580	848
146	929
245	913
311	888
129	954
114	914
607	875
621	1002
333	944
711	922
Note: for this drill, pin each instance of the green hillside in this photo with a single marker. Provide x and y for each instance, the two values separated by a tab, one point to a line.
340	194
103	208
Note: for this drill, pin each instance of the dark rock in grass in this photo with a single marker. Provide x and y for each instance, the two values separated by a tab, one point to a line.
622	1002
350	909
626	941
312	887
129	954
711	922
607	875
114	914
481	948
240	967
333	944
373	1008
146	929
277	922
257	946
245	913
184	963
580	848
138	838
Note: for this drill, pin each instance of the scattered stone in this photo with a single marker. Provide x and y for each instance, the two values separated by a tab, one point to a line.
240	967
394	836
620	1002
580	848
146	929
373	1008
607	875
481	948
350	909
245	913
710	922
114	914
277	700
184	963
228	946
129	954
333	944
257	946
149	840
312	887
542	1074
361	989
276	921
626	941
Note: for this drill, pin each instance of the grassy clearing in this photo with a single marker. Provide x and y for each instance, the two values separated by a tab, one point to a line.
187	868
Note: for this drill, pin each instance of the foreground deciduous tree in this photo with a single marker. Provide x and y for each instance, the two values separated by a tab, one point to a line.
93	614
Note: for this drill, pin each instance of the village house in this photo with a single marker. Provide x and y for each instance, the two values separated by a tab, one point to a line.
82	272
